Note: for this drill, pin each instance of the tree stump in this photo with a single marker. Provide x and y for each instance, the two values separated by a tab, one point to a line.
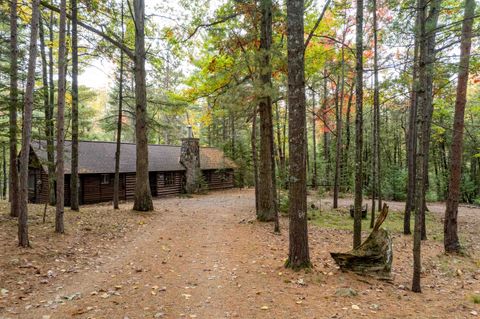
364	211
374	256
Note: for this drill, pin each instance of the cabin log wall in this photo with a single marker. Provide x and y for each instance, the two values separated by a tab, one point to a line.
93	191
175	188
39	193
219	179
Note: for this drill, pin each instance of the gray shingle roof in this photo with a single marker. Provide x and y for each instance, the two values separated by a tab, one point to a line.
99	157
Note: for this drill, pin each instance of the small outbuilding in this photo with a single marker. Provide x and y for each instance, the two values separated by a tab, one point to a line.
173	170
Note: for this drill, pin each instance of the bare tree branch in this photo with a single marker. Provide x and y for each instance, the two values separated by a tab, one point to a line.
116	43
310	35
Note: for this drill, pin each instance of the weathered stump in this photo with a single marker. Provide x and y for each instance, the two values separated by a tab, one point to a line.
373	256
364	211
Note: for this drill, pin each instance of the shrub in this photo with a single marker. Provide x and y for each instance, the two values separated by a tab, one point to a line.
475	299
394	183
283	203
476	201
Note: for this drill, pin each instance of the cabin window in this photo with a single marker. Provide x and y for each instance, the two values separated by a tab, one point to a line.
169	179
105	179
207	176
224	176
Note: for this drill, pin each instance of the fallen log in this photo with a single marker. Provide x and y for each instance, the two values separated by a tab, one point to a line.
374	256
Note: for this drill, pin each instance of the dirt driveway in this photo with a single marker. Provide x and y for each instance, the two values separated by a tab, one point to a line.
205	257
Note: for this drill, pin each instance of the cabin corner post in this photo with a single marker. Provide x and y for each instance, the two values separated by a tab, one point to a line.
190	159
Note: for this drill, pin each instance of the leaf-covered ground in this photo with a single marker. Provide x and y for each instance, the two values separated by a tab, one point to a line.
206	257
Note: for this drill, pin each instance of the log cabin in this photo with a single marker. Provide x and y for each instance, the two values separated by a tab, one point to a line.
172	170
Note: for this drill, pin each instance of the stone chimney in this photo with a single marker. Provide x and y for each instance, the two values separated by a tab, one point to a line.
190	159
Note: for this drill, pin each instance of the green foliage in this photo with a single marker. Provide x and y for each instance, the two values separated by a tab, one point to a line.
393	183
468	189
202	184
283	203
476	201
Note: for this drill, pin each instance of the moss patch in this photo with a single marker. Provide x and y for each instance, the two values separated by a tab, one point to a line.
340	219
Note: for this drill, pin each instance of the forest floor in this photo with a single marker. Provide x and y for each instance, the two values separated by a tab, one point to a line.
207	257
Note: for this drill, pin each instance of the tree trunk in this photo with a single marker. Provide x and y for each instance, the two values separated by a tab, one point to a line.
451	242
62	60
376	121
13	194
27	127
298	256
438	183
346	156
339	155
4	167
232	134
326	156
420	155
116	181
281	150
45	88
314	143
266	202
412	141
253	141
74	179
284	147
357	224
143	195
276	228
49	120
431	25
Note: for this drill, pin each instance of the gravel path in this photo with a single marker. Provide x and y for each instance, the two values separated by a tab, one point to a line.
205	257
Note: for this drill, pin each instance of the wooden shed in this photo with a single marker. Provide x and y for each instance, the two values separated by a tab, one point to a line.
97	168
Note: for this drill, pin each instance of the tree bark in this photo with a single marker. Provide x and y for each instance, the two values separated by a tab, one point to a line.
431	26
4	166
451	242
74	179
298	256
62	60
143	195
281	150
314	143
266	202
13	194
357	217
45	83
116	181
412	140
376	121
50	130
374	256
232	134
27	127
253	141
339	146
421	91
326	148
346	156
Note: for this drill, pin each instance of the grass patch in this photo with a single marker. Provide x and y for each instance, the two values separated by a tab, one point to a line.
475	299
340	219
